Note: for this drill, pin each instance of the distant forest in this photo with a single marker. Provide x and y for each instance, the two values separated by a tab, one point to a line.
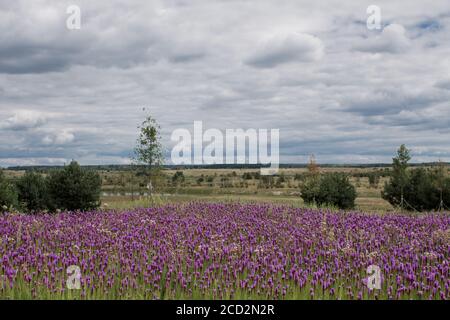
120	167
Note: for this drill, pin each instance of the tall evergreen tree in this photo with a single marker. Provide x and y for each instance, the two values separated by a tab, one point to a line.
394	190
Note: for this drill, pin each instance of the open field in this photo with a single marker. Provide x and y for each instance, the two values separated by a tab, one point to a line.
229	185
224	251
123	189
367	204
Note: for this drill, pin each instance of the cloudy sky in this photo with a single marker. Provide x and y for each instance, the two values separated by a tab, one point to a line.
309	68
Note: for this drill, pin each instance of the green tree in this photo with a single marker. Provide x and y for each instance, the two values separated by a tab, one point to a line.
200	180
335	189
446	195
394	190
421	193
8	194
33	193
374	179
178	178
441	179
310	182
427	190
148	150
74	188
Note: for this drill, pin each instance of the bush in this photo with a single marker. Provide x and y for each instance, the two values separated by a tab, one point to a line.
8	194
33	193
266	182
418	189
392	192
247	176
74	188
374	179
310	190
420	192
200	180
178	178
336	190
332	189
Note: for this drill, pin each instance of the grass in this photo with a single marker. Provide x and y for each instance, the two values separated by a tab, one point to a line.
368	197
117	183
125	202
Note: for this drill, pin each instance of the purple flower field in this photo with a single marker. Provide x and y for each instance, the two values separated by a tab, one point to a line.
223	251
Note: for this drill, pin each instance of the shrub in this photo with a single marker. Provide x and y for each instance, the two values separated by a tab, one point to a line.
418	189
279	183
178	178
374	179
8	194
446	193
310	182
310	190
266	182
336	190
421	191
247	176
392	192
33	193
332	189
74	188
200	180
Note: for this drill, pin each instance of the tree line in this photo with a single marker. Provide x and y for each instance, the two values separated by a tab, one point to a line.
411	189
418	189
70	188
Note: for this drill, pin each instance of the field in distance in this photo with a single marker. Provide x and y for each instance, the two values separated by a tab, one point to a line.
122	189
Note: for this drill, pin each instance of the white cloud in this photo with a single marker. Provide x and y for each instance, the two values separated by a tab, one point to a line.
24	119
392	39
231	64
280	49
58	138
